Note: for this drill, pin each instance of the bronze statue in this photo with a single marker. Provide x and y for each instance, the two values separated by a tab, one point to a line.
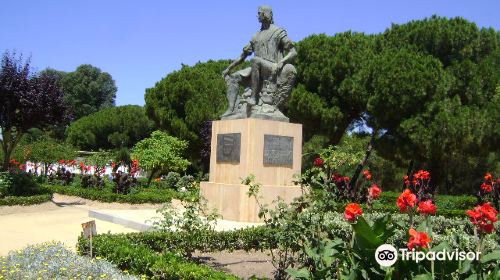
269	80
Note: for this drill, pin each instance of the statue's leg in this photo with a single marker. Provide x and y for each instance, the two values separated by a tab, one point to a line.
255	76
232	82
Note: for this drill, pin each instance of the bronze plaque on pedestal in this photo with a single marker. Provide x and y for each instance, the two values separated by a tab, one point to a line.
228	148
278	150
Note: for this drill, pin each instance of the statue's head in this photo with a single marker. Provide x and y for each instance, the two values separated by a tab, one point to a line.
265	14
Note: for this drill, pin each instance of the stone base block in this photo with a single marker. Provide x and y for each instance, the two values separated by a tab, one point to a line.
233	203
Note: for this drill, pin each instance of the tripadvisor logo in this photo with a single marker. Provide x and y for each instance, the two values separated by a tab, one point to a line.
386	255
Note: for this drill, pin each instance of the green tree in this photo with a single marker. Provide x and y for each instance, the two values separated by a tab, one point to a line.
27	100
110	128
432	94
88	90
184	100
160	154
327	99
48	151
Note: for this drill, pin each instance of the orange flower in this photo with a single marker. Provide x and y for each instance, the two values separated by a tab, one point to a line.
484	217
426	207
486	187
418	239
367	174
406	201
374	191
352	210
488	177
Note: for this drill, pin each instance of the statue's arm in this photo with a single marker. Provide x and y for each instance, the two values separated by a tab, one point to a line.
289	48
235	63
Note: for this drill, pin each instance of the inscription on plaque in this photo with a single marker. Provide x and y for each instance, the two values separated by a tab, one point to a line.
228	147
278	150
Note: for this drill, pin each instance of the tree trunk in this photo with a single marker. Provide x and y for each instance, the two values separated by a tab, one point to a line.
150	178
368	152
9	142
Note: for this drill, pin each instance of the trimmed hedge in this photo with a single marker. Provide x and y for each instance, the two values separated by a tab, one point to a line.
141	260
25	200
447	205
149	195
253	238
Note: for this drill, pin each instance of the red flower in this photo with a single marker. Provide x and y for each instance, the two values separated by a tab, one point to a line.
22	167
62	161
406	201
367	174
352	210
346	179
486	187
426	207
318	162
488	177
374	191
418	239
483	217
422	174
407	180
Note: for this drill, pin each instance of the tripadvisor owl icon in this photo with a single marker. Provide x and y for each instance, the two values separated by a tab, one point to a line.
386	255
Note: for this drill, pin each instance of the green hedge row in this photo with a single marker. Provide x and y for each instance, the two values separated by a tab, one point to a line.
144	195
25	200
447	205
138	259
253	238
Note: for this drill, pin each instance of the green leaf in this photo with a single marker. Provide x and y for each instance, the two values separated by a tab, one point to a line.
365	234
493	256
426	276
302	273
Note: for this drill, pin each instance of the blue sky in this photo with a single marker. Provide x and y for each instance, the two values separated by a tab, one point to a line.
140	42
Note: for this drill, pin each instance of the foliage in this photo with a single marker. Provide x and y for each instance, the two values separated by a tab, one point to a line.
316	242
25	200
184	100
88	90
160	154
142	195
188	221
327	98
55	261
141	260
48	151
434	95
27	100
110	128
18	184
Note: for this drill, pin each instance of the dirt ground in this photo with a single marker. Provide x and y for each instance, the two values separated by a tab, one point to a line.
240	263
61	219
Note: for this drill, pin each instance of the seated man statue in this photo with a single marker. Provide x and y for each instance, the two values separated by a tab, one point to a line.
269	79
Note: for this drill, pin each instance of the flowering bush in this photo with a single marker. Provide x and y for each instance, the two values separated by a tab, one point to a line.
489	190
483	217
54	261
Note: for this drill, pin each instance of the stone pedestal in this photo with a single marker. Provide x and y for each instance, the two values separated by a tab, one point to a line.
270	150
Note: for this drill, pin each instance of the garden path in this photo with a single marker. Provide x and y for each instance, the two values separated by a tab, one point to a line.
58	220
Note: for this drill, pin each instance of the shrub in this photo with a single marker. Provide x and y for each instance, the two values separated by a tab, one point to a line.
54	261
17	184
139	259
171	180
141	195
185	183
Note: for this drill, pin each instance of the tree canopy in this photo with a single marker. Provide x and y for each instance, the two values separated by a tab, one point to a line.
110	128
27	100
184	100
160	154
88	90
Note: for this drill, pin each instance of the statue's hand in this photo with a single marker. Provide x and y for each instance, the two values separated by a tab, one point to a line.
277	68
